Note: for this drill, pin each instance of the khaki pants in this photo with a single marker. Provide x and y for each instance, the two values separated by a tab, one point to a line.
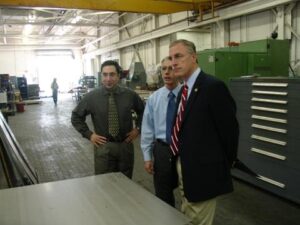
114	157
201	213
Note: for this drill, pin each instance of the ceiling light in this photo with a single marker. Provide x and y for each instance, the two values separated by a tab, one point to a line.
31	18
76	19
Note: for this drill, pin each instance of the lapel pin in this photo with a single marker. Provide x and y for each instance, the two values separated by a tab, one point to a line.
196	89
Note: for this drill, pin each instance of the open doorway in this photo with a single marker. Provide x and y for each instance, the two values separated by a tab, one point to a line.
62	65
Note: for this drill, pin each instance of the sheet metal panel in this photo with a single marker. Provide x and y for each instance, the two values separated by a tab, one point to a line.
110	199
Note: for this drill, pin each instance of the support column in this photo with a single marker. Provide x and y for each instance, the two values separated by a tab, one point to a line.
155	42
280	22
223	27
220	34
243	29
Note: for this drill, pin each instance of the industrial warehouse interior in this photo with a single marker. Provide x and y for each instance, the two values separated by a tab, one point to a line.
53	56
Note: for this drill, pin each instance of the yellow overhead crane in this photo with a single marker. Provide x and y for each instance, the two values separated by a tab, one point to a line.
138	6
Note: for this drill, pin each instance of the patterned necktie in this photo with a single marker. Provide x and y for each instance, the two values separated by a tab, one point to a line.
179	118
170	115
113	118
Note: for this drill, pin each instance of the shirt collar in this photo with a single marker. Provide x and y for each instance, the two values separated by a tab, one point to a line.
192	79
175	91
116	90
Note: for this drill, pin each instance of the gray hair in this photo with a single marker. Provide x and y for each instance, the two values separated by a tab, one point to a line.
188	44
165	59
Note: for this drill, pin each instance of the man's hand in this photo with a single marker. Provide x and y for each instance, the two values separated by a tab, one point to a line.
98	140
132	135
148	165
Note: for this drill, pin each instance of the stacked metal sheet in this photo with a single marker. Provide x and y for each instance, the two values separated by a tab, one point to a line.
109	199
15	168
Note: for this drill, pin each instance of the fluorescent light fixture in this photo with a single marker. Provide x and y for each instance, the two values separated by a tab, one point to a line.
31	18
76	19
27	29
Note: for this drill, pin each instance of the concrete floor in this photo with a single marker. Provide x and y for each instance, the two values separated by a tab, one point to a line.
58	152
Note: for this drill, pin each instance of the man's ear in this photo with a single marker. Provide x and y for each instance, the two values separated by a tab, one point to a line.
194	56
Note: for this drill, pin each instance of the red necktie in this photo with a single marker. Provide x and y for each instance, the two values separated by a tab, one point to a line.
179	118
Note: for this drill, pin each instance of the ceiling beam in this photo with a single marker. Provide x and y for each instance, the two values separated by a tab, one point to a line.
242	9
145	6
39	36
23	47
5	22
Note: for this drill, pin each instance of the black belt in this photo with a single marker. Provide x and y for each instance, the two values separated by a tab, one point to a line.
162	142
117	139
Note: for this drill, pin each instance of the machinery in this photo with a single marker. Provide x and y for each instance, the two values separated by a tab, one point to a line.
137	76
266	58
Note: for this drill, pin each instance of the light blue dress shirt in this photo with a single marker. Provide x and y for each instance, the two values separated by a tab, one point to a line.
154	120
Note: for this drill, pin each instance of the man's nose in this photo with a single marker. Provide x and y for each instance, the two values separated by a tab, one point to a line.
174	63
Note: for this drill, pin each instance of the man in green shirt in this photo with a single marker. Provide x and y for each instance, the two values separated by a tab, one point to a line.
110	107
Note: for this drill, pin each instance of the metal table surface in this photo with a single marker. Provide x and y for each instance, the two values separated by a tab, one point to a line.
110	199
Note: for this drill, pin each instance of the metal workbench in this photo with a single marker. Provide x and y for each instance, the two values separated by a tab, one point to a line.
110	199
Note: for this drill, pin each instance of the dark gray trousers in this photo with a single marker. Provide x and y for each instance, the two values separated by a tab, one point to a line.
165	175
114	157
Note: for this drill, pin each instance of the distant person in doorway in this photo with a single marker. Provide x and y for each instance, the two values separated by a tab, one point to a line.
54	87
110	107
156	135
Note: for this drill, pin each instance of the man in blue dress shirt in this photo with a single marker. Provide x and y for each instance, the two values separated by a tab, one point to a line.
156	135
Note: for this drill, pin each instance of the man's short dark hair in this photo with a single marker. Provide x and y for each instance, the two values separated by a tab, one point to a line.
112	63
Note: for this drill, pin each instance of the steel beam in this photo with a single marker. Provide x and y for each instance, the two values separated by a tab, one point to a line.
5	22
145	6
39	36
223	14
24	47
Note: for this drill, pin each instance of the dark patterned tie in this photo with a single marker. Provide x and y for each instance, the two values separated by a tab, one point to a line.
179	118
113	118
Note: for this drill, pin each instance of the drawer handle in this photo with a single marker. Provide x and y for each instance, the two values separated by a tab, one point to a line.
267	109
270	84
268	128
271	119
271	181
269	140
269	100
269	92
270	154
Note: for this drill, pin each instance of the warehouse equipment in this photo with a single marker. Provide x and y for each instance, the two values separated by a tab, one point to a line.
264	58
137	75
102	199
88	82
22	85
33	91
13	161
268	112
7	90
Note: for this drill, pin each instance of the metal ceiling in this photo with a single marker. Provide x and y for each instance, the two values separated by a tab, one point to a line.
53	22
19	26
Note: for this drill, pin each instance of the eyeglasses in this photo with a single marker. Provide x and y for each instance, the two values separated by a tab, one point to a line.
167	68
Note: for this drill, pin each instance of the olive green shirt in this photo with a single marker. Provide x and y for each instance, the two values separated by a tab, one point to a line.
95	103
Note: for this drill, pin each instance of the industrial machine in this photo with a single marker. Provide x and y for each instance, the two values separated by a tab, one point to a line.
267	57
137	76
